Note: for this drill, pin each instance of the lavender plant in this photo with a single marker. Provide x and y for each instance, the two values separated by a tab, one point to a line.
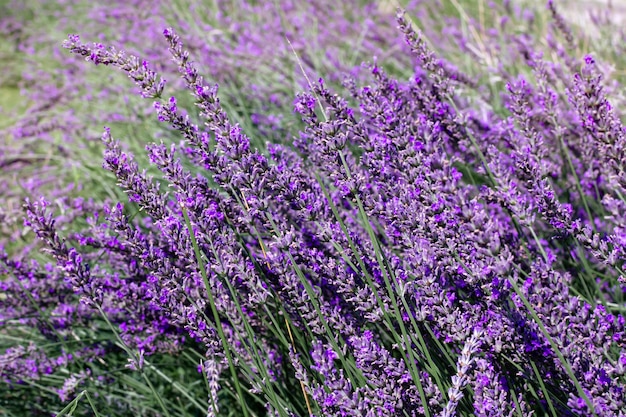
415	250
222	36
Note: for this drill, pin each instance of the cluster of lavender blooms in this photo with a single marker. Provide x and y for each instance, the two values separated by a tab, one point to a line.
414	251
68	103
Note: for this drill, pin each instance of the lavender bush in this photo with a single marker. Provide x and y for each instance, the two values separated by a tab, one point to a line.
53	149
442	243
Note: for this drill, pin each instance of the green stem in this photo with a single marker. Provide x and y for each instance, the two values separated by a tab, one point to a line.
216	317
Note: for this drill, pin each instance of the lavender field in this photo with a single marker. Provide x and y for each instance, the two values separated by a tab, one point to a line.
288	208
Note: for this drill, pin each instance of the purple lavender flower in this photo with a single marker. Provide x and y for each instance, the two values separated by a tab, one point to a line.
416	249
